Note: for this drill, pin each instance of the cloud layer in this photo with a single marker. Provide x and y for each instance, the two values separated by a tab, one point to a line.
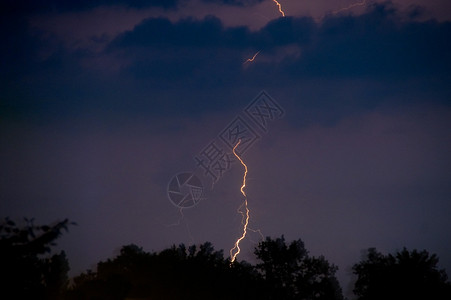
201	55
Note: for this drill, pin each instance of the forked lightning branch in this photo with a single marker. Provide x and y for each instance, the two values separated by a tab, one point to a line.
187	189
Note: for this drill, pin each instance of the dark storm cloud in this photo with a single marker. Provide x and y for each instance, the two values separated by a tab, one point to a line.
18	46
210	32
234	2
205	56
286	31
376	45
161	32
386	59
33	6
34	83
188	52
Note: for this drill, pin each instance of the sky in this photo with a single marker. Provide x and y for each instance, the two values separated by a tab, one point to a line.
102	103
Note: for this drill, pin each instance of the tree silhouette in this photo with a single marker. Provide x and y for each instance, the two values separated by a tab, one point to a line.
180	272
292	274
201	272
405	275
23	271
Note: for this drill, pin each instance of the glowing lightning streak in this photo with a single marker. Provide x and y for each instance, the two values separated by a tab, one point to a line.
255	55
179	222
349	7
252	59
246	222
280	7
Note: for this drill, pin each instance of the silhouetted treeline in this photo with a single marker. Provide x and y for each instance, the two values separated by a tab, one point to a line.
284	271
175	273
405	275
24	274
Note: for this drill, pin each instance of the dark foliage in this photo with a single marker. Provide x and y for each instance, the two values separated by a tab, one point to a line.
200	272
405	275
285	271
175	273
24	272
293	274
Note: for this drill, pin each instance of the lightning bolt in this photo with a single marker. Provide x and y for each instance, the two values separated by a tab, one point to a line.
179	222
349	7
236	249
280	7
252	59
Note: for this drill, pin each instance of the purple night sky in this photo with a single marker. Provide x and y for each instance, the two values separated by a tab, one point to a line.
103	102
